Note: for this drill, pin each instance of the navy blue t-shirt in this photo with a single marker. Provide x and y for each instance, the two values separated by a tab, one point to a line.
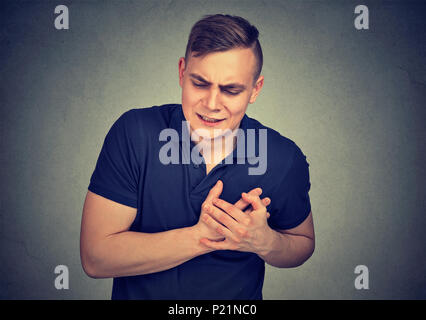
129	171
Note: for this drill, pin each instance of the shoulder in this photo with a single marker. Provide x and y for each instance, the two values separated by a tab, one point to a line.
146	121
282	152
155	115
138	128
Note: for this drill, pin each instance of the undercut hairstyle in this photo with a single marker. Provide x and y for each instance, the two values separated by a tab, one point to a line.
216	33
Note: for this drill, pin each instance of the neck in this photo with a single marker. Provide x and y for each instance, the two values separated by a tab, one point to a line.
216	149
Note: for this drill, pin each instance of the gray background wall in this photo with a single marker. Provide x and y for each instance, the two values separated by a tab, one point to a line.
354	101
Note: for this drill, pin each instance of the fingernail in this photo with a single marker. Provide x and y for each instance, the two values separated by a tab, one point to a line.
259	191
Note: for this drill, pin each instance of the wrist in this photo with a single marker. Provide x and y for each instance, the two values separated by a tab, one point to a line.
269	244
195	236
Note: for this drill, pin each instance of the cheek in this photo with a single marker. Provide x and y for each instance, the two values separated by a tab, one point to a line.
190	96
236	106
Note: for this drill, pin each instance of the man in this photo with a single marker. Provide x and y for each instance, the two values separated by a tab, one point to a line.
198	230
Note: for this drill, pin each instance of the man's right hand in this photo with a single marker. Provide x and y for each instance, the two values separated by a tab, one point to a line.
203	230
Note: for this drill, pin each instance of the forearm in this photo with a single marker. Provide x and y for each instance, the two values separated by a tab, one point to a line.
134	253
287	250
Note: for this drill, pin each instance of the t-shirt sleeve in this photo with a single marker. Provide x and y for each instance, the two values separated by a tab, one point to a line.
117	170
292	203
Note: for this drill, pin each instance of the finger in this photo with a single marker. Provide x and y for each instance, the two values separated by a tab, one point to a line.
226	219
250	210
215	191
266	202
253	200
242	204
228	210
219	228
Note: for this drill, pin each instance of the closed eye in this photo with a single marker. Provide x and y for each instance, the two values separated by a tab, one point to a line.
231	92
227	91
200	85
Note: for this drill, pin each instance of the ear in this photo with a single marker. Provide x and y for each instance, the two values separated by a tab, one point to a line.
256	90
182	66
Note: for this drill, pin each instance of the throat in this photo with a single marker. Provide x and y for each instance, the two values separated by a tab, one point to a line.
214	154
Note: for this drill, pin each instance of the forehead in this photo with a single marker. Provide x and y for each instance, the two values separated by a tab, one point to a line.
230	65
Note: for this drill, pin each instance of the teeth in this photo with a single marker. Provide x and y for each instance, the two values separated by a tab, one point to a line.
209	119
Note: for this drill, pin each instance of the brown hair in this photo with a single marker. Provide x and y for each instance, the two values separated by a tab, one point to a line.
214	33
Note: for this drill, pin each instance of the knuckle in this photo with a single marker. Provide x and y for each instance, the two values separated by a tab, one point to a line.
218	201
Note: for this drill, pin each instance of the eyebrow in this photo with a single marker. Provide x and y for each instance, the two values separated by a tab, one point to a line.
225	86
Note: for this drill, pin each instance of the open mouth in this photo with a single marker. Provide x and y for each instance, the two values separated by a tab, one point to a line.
209	120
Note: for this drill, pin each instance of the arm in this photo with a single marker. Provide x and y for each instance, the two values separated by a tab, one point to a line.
109	249
290	248
282	248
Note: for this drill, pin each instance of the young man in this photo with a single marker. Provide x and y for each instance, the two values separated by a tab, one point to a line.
166	225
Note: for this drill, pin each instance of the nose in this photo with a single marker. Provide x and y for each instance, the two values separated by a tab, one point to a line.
212	100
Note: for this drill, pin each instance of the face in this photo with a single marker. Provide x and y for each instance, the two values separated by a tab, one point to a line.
217	88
